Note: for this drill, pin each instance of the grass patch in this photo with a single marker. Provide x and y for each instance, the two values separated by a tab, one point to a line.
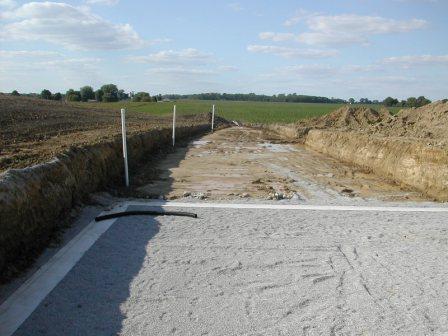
252	112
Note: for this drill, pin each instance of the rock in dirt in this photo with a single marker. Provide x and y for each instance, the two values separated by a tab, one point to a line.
200	196
348	192
279	196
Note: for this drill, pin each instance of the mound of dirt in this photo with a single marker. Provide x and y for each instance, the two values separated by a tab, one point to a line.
429	122
348	118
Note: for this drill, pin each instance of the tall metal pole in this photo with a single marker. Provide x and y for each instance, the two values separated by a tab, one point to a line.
125	149
213	117
174	125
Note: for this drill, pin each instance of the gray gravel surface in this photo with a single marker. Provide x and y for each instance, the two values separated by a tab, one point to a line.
257	272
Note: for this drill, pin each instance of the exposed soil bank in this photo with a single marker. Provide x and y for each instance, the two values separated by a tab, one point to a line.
415	164
34	200
410	148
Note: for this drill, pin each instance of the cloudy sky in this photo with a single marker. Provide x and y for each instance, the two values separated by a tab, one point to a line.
339	48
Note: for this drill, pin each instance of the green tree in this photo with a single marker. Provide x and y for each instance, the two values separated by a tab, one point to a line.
122	95
422	101
45	94
99	95
73	95
110	93
411	102
365	101
86	93
389	101
141	97
57	96
15	93
351	100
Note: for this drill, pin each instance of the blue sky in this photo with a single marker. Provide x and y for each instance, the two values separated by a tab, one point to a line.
334	48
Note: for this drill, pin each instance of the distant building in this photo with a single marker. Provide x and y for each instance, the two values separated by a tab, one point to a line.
164	100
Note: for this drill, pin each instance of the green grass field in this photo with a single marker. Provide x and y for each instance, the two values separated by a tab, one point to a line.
253	112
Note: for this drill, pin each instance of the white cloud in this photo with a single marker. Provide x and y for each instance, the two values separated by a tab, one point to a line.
276	37
353	68
69	26
8	4
297	17
189	55
28	53
291	52
103	2
348	28
228	68
407	61
311	70
235	6
179	70
74	63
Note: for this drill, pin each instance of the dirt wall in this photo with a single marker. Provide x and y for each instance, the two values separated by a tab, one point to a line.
34	200
415	164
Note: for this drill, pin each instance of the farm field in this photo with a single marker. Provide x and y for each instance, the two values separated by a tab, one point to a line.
250	112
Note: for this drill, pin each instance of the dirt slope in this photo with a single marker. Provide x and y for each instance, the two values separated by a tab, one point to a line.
35	130
348	117
429	123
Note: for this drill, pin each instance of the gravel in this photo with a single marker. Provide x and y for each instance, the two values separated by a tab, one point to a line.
257	272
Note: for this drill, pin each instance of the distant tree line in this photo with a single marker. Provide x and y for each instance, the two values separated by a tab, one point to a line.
144	97
363	101
281	98
410	102
107	93
111	93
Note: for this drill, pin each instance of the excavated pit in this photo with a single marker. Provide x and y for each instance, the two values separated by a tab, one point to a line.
410	148
35	201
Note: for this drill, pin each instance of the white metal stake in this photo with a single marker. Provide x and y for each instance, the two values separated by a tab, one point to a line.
125	149
174	125
213	117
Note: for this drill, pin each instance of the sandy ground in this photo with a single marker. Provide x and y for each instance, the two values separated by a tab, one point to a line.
238	162
259	272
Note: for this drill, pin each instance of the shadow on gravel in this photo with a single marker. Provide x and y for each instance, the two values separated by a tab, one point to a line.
90	300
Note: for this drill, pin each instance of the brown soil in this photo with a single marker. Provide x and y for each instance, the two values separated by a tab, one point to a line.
348	117
240	162
428	123
34	130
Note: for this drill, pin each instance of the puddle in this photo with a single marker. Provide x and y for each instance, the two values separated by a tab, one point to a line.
199	143
277	148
